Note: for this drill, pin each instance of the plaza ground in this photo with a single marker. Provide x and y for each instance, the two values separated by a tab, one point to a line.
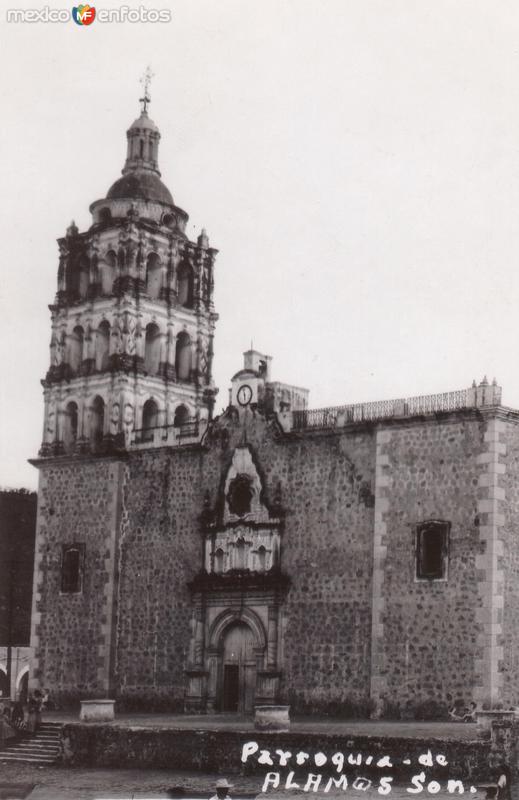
54	783
416	730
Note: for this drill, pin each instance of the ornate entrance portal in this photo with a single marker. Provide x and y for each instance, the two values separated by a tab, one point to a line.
238	669
234	658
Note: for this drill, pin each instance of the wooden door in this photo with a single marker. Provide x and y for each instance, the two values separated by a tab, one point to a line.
239	669
231	687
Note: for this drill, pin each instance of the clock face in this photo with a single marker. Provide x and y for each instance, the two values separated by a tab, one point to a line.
244	395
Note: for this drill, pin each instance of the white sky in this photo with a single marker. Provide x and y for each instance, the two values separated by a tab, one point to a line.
356	162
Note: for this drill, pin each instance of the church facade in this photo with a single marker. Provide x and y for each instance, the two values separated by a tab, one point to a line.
360	558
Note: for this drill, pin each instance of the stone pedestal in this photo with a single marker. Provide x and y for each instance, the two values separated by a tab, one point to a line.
485	719
97	711
272	718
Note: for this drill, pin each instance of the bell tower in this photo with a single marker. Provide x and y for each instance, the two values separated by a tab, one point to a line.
133	319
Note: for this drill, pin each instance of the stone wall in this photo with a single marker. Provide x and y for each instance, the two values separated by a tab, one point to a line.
425	631
220	751
328	482
326	485
160	552
355	626
509	563
72	633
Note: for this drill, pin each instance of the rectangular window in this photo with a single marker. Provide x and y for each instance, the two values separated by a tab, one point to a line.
72	560
432	540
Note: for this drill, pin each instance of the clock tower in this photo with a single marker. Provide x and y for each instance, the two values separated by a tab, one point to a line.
252	386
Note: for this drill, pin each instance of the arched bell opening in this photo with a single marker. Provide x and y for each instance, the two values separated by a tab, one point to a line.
84	276
102	352
153	276
181	416
97	420
75	348
108	270
70	426
150	415
152	349
185	286
183	356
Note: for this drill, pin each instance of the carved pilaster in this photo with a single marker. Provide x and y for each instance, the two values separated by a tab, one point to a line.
272	637
199	636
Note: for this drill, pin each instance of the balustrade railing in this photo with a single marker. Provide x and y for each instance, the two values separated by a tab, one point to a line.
169	434
338	416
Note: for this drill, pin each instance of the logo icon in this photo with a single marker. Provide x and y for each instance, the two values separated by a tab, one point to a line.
83	15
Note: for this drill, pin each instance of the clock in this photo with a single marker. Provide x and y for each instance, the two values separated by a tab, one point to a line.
244	395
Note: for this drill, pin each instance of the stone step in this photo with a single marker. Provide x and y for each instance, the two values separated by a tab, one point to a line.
52	755
41	748
53	740
14	751
34	755
31	743
35	742
40	760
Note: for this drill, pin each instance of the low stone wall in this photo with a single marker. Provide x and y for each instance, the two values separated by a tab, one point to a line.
221	751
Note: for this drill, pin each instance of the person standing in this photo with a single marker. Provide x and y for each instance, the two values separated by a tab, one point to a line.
222	789
34	711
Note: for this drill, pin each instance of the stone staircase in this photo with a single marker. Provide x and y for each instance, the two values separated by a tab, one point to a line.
41	749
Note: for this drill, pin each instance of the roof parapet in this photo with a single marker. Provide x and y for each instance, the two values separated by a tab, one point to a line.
482	395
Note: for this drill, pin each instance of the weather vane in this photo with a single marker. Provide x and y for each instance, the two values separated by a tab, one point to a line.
146	80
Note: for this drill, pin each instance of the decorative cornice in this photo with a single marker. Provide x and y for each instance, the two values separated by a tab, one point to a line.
240	581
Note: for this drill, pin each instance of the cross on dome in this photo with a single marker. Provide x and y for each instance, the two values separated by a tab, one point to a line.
146	80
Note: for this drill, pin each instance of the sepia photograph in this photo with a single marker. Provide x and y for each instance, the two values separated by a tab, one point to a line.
259	409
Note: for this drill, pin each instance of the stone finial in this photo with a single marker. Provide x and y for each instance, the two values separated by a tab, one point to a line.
203	239
474	384
485	394
72	229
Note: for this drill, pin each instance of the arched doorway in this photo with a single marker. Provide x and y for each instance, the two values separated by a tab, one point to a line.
4	684
238	680
23	687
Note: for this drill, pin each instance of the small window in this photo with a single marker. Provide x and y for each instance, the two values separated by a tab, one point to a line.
72	558
169	220
432	540
105	216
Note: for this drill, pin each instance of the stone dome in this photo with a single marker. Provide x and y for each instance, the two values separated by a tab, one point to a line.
141	184
144	123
